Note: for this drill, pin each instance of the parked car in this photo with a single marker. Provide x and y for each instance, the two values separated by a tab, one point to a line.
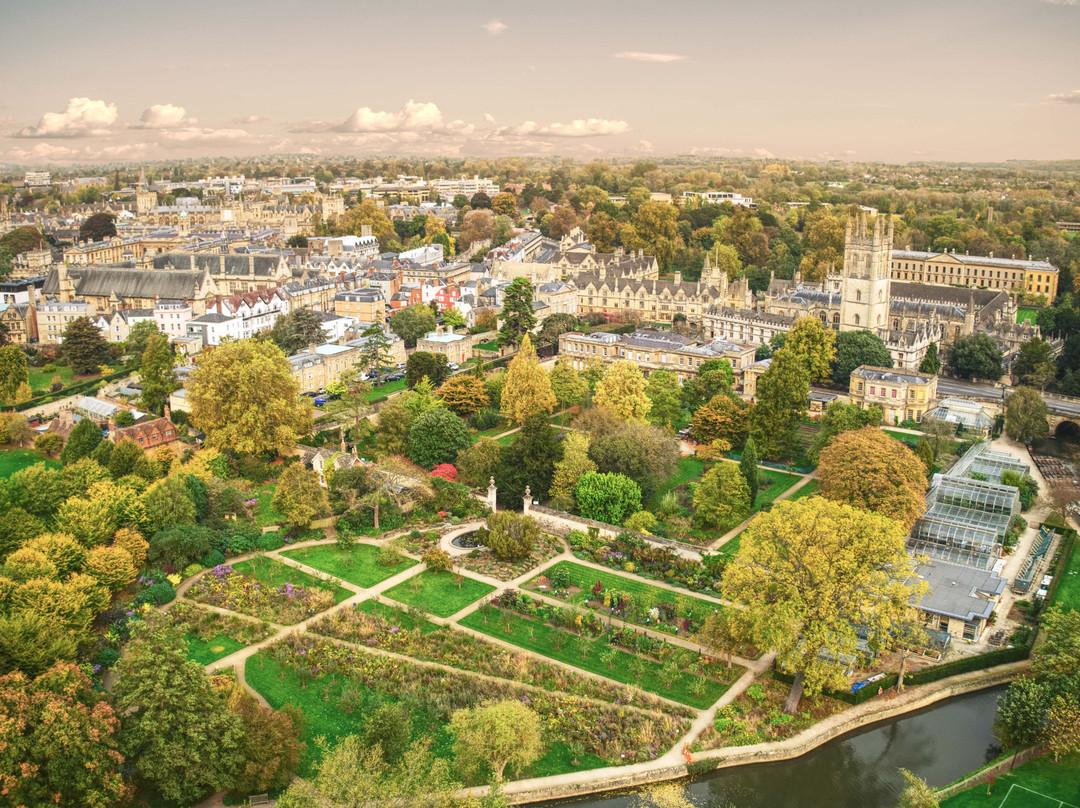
453	366
394	377
320	400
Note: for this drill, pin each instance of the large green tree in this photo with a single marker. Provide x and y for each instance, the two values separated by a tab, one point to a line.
528	462
412	323
300	497
662	390
375	355
97	227
607	498
722	499
567	385
424	363
83	346
974	356
815	343
156	373
518	318
855	348
13	371
244	396
1025	415
622	391
492	737
82	440
297	330
1034	365
840	417
782	392
436	436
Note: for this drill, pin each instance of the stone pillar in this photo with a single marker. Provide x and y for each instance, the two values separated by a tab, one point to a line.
491	494
526	501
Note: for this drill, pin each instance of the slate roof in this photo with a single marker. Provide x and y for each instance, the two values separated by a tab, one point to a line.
128	283
233	264
954	590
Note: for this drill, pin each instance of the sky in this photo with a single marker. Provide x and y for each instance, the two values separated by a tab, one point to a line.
857	80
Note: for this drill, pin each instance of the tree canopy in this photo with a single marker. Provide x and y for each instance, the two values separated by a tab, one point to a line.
527	389
518	318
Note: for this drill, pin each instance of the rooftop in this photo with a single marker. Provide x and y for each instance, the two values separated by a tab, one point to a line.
875	374
959	591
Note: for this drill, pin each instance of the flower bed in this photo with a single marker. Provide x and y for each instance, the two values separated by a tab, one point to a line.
625	598
614	734
419	543
757	716
628	554
267	590
211	635
441	593
484	561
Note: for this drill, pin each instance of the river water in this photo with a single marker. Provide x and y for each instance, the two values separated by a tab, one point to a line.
861	770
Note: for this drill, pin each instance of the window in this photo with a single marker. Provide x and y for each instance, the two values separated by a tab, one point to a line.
970	631
892	393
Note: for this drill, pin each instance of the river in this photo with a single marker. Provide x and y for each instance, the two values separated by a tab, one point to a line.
860	770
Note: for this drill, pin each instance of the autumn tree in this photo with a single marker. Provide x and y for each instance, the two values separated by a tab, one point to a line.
814	344
782	392
464	394
1025	415
656	224
867	469
112	567
13	371
300	497
370	214
563	220
270	745
622	391
477	226
916	793
518	318
425	364
392	437
567	385
527	389
244	397
724	418
575	462
722	499
494	736
351	401
412	323
83	346
60	742
645	453
603	231
840	417
662	390
818	577
504	204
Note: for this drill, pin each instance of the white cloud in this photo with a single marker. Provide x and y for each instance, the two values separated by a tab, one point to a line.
715	151
489	118
56	153
193	136
762	153
645	145
1063	2
645	56
494	27
414	117
1065	98
83	117
165	116
580	127
246	120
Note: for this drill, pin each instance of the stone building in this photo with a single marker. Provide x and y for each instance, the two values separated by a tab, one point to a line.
902	395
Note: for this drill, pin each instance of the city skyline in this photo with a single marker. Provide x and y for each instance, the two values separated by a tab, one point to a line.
984	81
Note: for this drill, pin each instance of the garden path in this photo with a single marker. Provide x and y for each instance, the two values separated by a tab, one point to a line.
735	531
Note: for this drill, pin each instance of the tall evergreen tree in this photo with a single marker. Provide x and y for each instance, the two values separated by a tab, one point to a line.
749	469
13	371
518	318
156	373
83	439
83	346
931	362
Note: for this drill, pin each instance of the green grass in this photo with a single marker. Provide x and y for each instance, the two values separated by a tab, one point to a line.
265	515
439	593
506	440
206	651
781	482
1025	315
688	469
1067	595
41	381
1040	783
731	546
498	429
644	594
274	573
903	437
810	489
490	345
12	460
358	565
397	617
538	638
379	393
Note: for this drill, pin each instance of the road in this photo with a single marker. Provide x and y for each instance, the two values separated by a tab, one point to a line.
956	387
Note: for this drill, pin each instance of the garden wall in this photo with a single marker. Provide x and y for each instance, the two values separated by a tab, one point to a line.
561	523
990	772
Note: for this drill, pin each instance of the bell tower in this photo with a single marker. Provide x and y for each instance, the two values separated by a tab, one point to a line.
864	302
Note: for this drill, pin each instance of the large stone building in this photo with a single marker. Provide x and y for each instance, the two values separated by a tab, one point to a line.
902	395
977	271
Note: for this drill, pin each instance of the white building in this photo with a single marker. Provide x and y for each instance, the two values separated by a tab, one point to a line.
212	329
448	189
171	317
717	197
37	179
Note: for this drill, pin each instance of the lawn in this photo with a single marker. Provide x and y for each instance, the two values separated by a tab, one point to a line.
41	380
1067	595
903	437
810	489
506	440
275	574
538	637
12	460
689	468
490	345
206	651
386	389
781	482
358	565
498	429
1039	783
1024	315
265	515
644	595
439	592
731	546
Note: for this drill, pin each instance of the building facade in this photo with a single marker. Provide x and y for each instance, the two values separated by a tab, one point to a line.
902	395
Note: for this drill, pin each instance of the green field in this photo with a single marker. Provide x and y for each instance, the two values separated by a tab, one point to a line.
386	389
539	638
358	565
689	468
781	482
12	460
439	593
265	515
1024	315
206	651
41	381
812	487
1067	595
903	437
490	345
275	574
1039	783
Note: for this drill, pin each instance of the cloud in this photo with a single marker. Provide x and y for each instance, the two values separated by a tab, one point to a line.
247	120
414	117
56	153
83	117
1065	98
645	56
580	127
494	27
164	116
1062	2
763	153
193	136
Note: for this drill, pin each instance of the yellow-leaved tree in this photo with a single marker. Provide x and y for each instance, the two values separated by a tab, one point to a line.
527	389
816	344
622	391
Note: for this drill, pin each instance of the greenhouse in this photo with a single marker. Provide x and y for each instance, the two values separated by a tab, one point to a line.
969	416
984	461
968	544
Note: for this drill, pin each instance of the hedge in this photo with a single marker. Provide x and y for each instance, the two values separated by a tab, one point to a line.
1068	540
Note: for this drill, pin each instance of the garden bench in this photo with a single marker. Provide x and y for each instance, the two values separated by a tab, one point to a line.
259	799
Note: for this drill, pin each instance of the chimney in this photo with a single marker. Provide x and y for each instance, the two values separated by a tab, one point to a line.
678	277
167	412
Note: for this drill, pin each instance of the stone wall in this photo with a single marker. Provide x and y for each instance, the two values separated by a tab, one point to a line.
561	523
990	772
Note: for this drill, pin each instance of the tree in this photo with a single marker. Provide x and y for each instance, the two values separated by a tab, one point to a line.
563	220
511	536
603	231
412	323
725	418
13	371
300	497
480	201
351	401
727	633
168	502
352	774
112	567
48	444
974	356
815	343
477	464
527	390
840	417
916	793
123	457
855	348
504	204
1034	365
867	469
367	213
436	436
1063	726
494	736
270	746
98	227
1023	713
392	436
715	376
464	394
297	330
83	346
156	373
566	383
749	469
454	318
814	575
244	397
607	498
662	390
297	242
930	362
1025	415
389	727
423	364
518	318
375	355
781	402
655	223
622	391
529	461
476	226
645	453
124	418
83	439
722	499
568	471
555	326
396	479
32	643
60	742
139	336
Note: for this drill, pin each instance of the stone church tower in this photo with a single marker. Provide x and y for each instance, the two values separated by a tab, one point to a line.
864	302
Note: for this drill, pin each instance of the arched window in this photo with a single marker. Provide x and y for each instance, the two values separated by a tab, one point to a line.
836	319
896	325
823	320
880	295
858	295
856	319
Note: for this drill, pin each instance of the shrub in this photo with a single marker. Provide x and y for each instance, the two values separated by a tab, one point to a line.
108	657
389	726
446	471
607	497
212	559
438	560
179	545
158	594
269	541
640	522
511	536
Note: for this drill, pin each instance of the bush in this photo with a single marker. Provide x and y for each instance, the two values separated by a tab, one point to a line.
212	559
159	594
511	536
640	522
179	545
269	541
607	498
240	543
